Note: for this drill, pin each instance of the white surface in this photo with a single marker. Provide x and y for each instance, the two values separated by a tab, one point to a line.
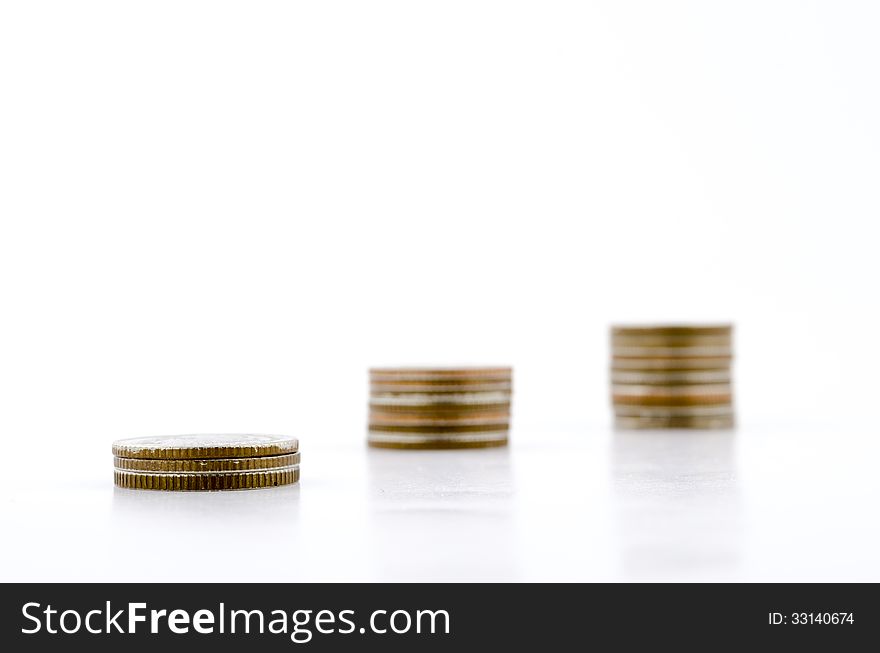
757	504
215	215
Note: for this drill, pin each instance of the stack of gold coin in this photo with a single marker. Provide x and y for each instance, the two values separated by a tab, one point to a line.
206	462
672	376
439	408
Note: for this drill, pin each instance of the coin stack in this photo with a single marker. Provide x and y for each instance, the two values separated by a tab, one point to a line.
673	376
439	408
206	462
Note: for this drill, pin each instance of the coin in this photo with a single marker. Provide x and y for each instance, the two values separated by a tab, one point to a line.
380	388
207	480
675	422
682	330
403	419
450	429
670	401
209	465
621	410
694	389
709	351
671	342
443	374
441	411
676	395
437	441
426	399
619	363
179	447
670	377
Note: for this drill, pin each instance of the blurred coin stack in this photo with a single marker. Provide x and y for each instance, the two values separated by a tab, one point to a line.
674	376
206	462
439	408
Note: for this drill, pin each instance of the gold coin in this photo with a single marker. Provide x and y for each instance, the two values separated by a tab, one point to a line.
673	401
457	399
674	395
209	465
633	390
437	441
672	342
441	411
676	422
441	374
438	430
473	419
708	351
717	410
438	388
622	363
206	481
676	330
179	447
671	378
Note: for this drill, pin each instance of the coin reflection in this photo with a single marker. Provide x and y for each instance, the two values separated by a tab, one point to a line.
437	513
676	501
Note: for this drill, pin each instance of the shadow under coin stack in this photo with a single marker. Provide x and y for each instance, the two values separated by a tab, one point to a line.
206	462
672	376
439	408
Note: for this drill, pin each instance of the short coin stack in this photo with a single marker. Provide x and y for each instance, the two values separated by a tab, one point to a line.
439	408
206	462
673	376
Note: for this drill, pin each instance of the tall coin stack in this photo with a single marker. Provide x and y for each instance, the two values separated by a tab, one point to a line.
206	462
674	376
439	408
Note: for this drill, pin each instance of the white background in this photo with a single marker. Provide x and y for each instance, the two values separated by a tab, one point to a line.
214	216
